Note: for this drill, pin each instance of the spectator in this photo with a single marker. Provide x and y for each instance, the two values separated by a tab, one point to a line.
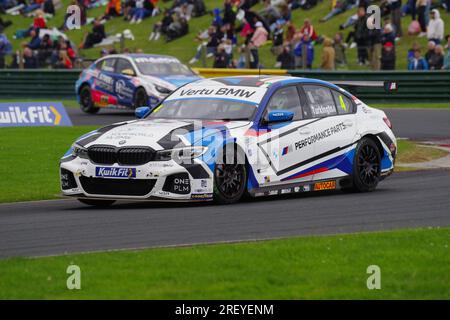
229	12
415	46
64	61
436	61
5	48
418	62
388	34
4	24
374	41
144	9
339	7
161	26
258	39
45	50
48	7
395	8
95	36
421	6
179	27
388	56
211	45
29	60
220	58
39	20
286	59
328	55
430	51
309	30
35	41
304	53
361	35
113	9
339	50
277	40
447	57
435	31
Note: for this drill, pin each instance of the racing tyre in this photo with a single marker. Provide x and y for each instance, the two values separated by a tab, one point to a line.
230	181
97	203
366	166
140	98
86	103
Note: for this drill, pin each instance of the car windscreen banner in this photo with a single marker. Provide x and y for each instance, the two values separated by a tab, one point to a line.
33	114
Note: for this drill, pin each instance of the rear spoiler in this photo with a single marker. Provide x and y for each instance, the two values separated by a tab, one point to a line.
389	86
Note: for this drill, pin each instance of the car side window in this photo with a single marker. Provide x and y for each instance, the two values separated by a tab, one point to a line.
108	65
286	98
343	103
320	101
123	64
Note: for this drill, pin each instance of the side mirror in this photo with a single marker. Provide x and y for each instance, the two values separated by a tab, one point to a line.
279	116
142	112
128	72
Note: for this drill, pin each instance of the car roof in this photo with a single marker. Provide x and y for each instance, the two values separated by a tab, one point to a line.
261	81
137	55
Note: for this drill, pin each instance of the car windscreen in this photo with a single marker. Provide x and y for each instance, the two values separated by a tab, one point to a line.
205	109
162	66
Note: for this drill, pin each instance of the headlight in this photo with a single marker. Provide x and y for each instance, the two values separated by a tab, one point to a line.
180	154
79	151
163	90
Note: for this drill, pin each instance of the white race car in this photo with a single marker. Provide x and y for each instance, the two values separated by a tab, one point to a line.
225	138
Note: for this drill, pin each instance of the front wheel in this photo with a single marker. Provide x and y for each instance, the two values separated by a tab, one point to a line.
97	203
366	166
140	98
86	103
230	182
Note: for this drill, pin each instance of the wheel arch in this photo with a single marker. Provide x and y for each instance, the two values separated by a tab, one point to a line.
377	142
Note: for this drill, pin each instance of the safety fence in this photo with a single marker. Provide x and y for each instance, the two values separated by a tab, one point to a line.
418	86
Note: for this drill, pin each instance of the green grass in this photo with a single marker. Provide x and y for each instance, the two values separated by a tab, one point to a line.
411	152
68	103
415	264
185	47
29	161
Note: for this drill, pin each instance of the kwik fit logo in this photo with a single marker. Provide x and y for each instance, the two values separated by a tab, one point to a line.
33	114
110	172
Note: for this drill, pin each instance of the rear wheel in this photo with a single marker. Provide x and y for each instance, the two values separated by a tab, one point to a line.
140	98
86	103
230	180
97	203
366	166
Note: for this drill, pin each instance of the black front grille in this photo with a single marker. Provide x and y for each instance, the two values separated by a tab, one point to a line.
117	187
102	155
135	156
123	156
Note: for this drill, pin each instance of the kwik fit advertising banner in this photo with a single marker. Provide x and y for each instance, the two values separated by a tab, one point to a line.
23	114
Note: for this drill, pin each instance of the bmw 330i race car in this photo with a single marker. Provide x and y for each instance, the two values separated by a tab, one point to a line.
225	138
130	81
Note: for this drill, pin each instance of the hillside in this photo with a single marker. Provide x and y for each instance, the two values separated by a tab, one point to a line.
185	47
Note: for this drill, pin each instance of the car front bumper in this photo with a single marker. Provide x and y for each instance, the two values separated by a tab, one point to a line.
159	180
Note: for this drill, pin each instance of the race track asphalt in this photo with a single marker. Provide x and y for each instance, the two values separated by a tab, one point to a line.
414	199
416	124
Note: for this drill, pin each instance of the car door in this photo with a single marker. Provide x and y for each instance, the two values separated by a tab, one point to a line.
280	146
103	93
334	130
123	82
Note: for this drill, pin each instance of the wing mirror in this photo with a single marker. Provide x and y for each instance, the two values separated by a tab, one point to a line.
128	72
279	116
142	112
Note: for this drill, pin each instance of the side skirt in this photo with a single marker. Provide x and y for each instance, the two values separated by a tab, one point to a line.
309	186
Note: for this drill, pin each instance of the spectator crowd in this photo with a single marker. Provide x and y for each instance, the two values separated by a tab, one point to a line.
238	31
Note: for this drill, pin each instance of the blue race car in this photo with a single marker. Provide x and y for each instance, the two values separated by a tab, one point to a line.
130	81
